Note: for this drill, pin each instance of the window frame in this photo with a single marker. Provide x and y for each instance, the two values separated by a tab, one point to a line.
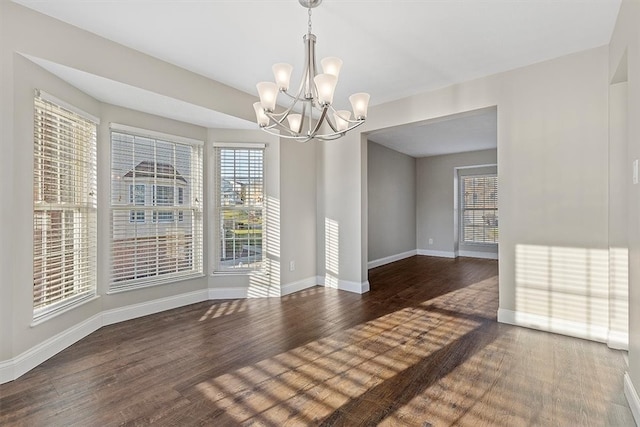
463	209
219	210
174	239
69	139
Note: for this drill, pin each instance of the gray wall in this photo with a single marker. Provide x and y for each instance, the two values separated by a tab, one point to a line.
624	56
392	202
436	200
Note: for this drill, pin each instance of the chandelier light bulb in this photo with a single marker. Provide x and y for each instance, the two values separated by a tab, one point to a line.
360	104
261	117
342	118
282	72
268	92
326	86
331	65
294	122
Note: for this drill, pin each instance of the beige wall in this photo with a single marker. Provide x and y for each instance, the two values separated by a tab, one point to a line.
392	202
626	42
552	200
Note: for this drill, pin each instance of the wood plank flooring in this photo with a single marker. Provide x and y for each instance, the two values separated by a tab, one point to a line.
423	348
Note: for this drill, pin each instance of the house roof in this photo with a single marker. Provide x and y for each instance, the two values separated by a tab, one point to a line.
149	169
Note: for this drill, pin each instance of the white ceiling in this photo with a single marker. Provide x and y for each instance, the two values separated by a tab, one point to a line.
390	48
470	131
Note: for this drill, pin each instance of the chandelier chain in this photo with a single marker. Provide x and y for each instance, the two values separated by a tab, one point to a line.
309	20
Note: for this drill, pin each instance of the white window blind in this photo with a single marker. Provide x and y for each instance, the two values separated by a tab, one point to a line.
239	194
64	207
479	209
156	208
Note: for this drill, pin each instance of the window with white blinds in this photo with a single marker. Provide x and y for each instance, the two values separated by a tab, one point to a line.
239	194
64	206
479	211
156	208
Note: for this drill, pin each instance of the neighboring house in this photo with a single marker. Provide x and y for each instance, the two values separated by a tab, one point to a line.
152	185
152	222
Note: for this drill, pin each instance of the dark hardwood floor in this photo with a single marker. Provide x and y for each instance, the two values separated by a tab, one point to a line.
423	348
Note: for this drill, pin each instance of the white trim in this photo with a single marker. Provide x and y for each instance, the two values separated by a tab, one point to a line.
60	103
441	254
253	145
488	165
146	308
14	368
299	285
347	285
477	254
154	134
228	293
549	324
23	363
391	258
618	340
632	398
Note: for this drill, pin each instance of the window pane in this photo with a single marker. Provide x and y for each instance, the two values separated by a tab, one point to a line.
64	215
157	243
479	197
240	196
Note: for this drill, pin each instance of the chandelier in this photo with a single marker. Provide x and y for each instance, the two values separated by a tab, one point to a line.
310	113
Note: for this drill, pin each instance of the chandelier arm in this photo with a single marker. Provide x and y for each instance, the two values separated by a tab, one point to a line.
333	110
301	124
319	122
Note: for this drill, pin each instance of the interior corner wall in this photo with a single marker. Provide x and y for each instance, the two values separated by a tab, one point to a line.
298	212
626	38
552	157
436	194
340	243
391	198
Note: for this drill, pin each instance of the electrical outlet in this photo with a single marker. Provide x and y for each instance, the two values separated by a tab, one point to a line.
292	265
430	241
635	171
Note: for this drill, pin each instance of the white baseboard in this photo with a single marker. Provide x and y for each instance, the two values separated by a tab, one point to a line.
358	288
548	324
618	340
228	293
344	285
23	363
299	285
14	368
117	315
632	398
441	254
391	258
477	254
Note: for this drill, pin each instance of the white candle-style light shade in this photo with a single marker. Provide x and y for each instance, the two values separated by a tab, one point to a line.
360	104
326	86
331	65
282	73
261	117
268	92
342	118
294	122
